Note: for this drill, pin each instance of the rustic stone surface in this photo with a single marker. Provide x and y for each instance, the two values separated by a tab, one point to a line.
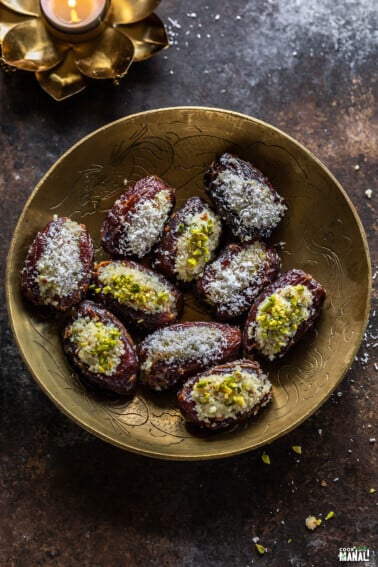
69	499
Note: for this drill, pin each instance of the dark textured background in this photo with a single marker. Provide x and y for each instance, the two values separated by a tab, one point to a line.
69	499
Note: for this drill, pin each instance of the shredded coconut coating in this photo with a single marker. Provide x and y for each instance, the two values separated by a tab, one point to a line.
60	270
235	286
252	201
143	227
175	346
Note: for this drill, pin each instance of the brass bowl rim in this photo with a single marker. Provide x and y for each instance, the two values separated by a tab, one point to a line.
189	456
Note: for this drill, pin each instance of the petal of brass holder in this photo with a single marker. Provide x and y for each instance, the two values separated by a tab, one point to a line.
63	61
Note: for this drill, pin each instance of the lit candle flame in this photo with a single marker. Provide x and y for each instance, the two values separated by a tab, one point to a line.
74	19
79	15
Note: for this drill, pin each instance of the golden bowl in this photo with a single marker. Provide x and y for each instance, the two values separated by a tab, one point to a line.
321	232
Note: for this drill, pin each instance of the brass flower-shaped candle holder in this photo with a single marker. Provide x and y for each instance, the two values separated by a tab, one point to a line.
65	42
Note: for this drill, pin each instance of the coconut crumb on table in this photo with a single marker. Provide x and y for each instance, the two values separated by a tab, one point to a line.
312	523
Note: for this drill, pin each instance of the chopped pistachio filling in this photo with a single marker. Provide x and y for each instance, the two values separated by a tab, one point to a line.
279	316
200	236
223	396
131	286
99	346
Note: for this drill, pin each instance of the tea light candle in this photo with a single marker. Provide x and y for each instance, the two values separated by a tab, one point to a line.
74	16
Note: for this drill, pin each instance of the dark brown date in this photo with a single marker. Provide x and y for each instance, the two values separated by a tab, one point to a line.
101	349
244	197
140	297
136	221
225	395
230	283
189	241
170	355
58	264
282	313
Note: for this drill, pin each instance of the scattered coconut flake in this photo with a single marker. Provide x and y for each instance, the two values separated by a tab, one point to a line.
174	23
368	193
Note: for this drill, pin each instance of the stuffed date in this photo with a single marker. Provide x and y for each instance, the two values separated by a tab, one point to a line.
230	283
136	221
189	241
282	313
100	348
57	268
243	197
225	395
140	297
170	355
